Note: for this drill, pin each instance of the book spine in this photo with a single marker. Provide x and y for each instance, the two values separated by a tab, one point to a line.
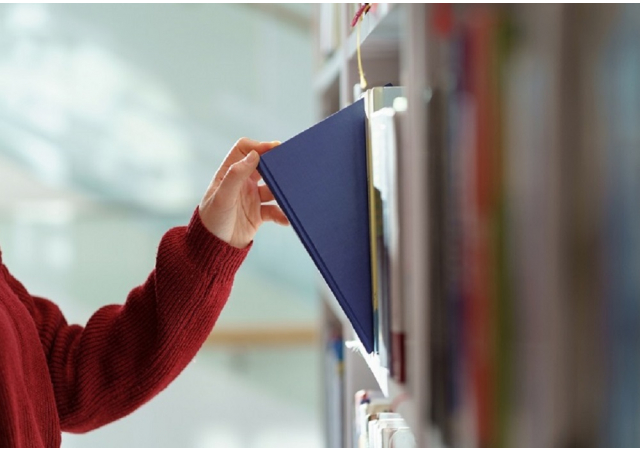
396	295
375	222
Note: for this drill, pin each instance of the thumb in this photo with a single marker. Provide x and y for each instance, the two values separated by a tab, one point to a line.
237	174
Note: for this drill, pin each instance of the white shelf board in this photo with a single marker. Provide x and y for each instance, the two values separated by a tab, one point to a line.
389	387
380	373
385	30
330	70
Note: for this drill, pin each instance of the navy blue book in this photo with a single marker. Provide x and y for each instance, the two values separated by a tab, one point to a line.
319	179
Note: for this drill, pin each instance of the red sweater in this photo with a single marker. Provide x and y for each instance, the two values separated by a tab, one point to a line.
57	377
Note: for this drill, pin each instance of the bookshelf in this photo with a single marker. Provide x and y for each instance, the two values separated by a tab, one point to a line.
379	36
520	226
386	48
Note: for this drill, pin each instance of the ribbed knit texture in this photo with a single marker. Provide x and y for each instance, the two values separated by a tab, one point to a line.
57	377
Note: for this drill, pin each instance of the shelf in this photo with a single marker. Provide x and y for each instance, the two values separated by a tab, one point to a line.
425	48
387	385
379	34
382	39
382	28
403	403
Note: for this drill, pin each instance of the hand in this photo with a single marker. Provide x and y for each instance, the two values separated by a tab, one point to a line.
232	207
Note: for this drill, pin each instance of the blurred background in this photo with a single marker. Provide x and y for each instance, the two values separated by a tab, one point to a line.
113	119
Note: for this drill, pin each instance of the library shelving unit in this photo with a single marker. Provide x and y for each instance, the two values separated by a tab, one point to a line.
519	174
391	40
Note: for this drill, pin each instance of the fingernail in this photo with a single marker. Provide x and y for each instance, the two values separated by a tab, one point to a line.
276	142
251	157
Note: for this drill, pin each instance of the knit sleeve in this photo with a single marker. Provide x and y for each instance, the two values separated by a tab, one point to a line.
126	354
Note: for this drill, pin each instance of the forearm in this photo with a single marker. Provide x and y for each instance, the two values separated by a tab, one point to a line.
127	354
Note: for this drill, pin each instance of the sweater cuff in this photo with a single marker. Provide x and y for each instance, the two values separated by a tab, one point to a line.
212	253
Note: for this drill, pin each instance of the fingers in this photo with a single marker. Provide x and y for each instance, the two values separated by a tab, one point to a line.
265	194
234	179
272	213
255	176
244	145
238	152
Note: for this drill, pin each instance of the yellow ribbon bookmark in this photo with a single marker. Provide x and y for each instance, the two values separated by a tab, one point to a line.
359	16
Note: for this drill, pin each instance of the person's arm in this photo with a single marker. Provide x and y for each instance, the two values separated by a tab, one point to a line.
127	354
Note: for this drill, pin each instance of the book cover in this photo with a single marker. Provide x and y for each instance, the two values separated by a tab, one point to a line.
319	179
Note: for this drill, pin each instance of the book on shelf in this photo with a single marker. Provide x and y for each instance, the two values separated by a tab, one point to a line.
534	223
383	212
398	311
367	403
336	182
534	230
319	179
469	309
389	430
619	151
333	382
